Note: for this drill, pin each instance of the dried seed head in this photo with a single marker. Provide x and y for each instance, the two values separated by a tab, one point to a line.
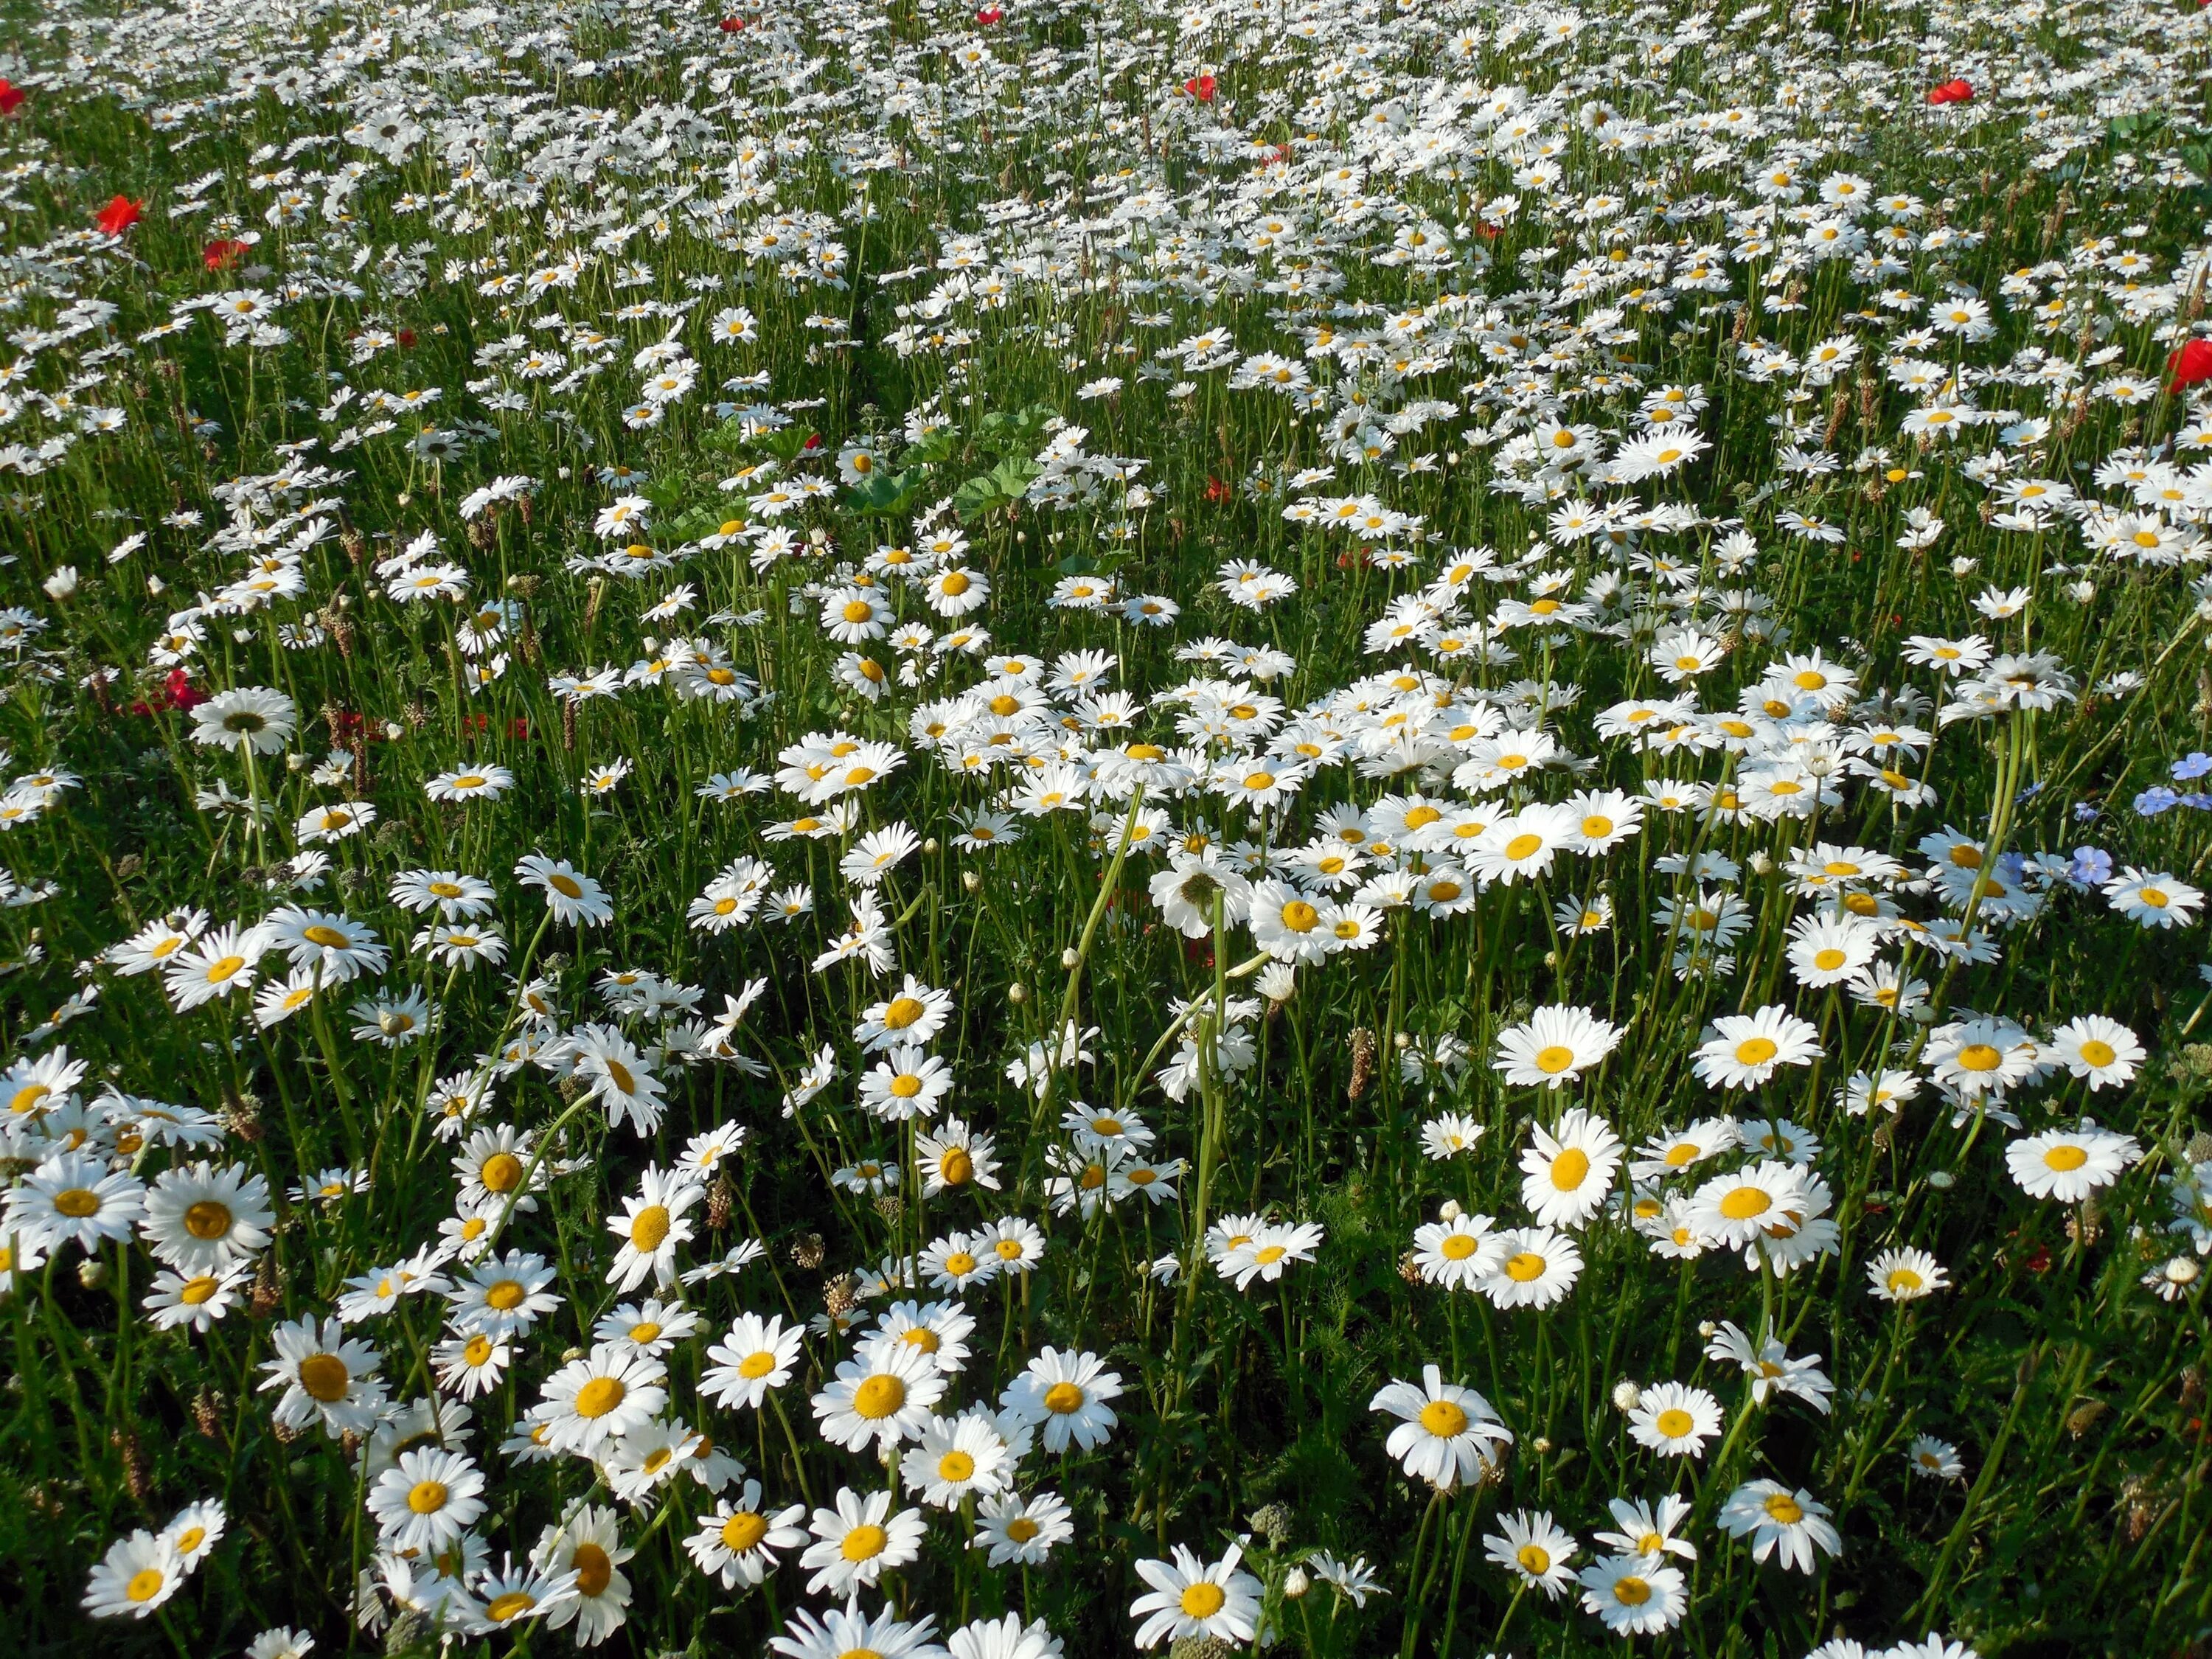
808	1251
268	1291
1363	1063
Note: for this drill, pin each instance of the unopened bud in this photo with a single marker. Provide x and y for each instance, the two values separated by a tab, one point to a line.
1449	1210
1018	993
970	881
91	1272
1295	1584
1069	958
1626	1395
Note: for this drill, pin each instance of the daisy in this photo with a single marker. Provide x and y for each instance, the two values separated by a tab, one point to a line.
1449	1134
136	1576
203	1218
2100	1051
652	1225
738	1540
1022	1530
1744	1049
195	1530
504	1295
2153	898
858	1542
588	1546
2070	1164
953	1156
1933	1459
1644	1532
653	1328
955	1457
1905	1275
1635	1596
73	1198
1778	1520
883	1393
197	1300
1192	1599
1066	1394
590	1403
1675	1420
1536	1269
1534	1550
1732	1211
1003	1637
1446	1435
325	1378
1554	1046
915	1014
1566	1173
757	1355
909	1083
1269	1250
850	1633
1457	1253
427	1500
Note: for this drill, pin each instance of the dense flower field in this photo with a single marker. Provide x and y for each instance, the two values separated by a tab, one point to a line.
876	832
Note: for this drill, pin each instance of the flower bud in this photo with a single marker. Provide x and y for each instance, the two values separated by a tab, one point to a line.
1069	958
970	881
1449	1210
1018	993
1626	1395
91	1272
1295	1584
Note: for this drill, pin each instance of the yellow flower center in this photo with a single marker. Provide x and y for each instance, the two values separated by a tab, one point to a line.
599	1396
878	1397
427	1497
1203	1600
324	1378
1444	1419
649	1228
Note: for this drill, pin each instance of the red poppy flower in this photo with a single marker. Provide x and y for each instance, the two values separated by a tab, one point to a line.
2189	365
1951	92
989	15
731	25
119	215
1216	490
11	96
1201	87
222	253
181	691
